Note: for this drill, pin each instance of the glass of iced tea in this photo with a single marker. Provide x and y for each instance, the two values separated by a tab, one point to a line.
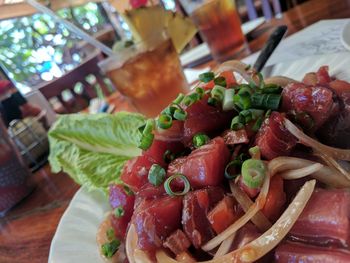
219	25
149	73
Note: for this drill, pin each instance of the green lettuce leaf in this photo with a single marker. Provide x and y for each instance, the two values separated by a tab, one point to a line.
92	149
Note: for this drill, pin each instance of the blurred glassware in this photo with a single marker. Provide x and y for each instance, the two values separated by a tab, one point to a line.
15	183
219	25
30	136
149	73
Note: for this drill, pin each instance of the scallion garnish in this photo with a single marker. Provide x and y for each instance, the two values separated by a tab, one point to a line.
164	121
180	114
246	116
109	249
265	101
261	80
183	178
179	98
228	104
206	77
254	152
218	93
110	234
271	89
200	139
253	172
156	175
119	211
191	98
147	135
168	156
212	101
200	91
232	169
257	124
221	81
237	123
242	101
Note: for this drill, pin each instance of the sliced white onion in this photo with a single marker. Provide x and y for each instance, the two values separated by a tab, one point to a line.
301	172
337	153
260	220
280	81
267	241
131	243
240	68
225	246
333	163
259	204
326	175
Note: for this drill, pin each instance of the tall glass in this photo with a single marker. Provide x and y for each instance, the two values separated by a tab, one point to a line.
219	25
14	175
149	73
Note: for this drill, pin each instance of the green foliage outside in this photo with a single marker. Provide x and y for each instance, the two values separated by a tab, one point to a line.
36	48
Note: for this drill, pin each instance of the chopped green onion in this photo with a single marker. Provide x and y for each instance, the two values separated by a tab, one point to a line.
149	127
110	234
236	123
200	139
228	100
257	124
206	77
253	172
234	165
272	89
127	190
221	81
242	101
170	110
109	249
168	189
147	135
212	101
164	121
246	115
179	98
200	91
191	98
218	93
244	89
156	175
254	152
268	113
265	101
119	211
180	114
168	156
261	80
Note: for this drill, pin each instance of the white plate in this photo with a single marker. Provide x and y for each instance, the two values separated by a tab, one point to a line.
75	238
345	36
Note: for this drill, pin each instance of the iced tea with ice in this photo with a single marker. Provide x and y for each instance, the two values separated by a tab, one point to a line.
219	25
151	79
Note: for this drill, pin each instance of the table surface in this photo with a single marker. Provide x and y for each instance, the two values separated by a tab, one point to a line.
27	230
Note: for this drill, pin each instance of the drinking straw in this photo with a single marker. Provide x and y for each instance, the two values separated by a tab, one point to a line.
109	52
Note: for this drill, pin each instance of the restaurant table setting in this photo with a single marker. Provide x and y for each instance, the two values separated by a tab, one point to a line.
59	220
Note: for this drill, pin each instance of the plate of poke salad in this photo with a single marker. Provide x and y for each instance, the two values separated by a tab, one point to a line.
247	167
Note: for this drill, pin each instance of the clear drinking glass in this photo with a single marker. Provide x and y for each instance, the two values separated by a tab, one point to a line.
14	175
149	73
219	25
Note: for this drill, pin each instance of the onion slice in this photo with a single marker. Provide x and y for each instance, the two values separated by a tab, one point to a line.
241	68
259	204
225	246
326	175
267	241
337	153
301	172
131	243
333	163
260	220
280	81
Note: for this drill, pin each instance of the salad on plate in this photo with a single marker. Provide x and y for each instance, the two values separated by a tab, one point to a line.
242	169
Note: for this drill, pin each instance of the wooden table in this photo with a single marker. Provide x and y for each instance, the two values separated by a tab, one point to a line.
27	230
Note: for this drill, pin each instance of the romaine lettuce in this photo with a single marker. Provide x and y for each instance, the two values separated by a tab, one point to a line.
92	149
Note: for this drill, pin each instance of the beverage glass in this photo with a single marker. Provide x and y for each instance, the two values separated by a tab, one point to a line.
15	183
219	25
149	73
